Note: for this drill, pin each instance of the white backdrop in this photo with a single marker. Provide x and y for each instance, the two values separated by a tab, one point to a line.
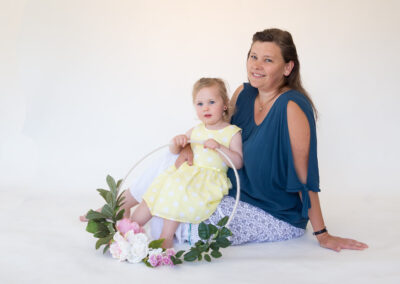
87	87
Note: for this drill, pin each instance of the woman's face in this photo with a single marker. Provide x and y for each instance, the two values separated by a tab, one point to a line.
265	66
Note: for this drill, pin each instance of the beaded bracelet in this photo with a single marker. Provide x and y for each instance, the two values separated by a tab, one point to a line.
324	230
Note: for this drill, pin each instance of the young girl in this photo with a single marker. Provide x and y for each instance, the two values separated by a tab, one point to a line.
192	193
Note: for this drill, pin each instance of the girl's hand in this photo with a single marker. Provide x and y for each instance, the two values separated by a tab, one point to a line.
212	144
337	244
180	140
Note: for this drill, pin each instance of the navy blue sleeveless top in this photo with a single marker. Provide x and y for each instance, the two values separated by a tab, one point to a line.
268	179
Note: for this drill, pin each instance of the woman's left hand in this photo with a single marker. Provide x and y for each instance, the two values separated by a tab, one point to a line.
337	243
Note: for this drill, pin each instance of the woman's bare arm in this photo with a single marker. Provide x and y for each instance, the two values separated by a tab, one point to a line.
299	132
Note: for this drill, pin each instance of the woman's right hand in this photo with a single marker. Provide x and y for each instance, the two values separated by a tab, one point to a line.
186	155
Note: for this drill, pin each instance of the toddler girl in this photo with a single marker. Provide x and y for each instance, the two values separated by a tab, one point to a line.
192	193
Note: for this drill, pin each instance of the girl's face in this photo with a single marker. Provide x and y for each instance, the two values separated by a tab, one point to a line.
209	106
265	66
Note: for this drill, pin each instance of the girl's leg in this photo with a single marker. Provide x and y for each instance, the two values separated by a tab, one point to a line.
168	232
142	214
129	202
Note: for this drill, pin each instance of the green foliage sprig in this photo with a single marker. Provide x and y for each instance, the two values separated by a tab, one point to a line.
103	224
212	238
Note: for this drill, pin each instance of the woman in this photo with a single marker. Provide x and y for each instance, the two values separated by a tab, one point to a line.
279	179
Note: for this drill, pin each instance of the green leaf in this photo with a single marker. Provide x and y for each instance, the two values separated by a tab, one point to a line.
223	221
147	263
110	227
191	255
110	199
178	261
111	182
225	232
214	246
92	227
103	241
175	260
120	200
94	215
212	229
199	258
207	257
104	193
203	248
106	248
223	242
156	244
216	254
119	183
107	211
113	187
204	232
120	215
102	226
199	243
179	253
101	234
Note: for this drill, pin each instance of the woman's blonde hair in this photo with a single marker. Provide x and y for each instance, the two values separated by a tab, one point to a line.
220	84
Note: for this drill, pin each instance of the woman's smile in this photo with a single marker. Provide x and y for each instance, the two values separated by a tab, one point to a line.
257	75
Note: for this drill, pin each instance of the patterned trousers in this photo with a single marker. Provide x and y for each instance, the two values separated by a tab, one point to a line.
249	224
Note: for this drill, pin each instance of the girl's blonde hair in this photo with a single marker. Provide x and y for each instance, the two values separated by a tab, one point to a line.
220	84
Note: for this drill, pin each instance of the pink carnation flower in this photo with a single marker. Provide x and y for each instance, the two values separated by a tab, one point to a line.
170	252
155	257
166	260
153	260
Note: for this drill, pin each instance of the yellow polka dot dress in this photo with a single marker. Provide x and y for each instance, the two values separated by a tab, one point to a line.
191	194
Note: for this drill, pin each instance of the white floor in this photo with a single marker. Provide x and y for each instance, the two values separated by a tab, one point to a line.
42	241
